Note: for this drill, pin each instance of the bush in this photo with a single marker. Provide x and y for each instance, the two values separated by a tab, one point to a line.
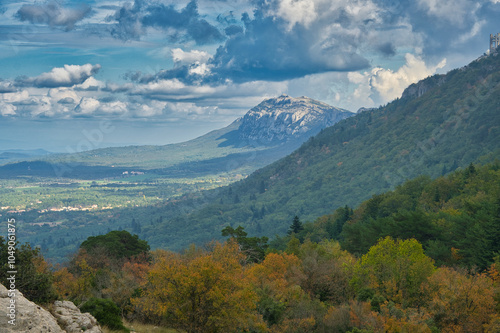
106	312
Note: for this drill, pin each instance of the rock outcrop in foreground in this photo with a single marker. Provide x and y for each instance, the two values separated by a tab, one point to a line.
30	317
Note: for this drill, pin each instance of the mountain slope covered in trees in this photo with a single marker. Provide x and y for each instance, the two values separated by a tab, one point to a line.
456	218
455	122
421	258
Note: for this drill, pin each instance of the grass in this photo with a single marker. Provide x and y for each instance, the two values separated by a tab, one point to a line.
142	328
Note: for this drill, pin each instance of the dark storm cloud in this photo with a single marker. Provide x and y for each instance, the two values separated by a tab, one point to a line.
443	25
266	49
233	30
200	30
186	23
52	14
66	100
387	49
227	18
6	87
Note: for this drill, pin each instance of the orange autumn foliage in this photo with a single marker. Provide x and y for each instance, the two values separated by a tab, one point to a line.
461	302
279	273
201	292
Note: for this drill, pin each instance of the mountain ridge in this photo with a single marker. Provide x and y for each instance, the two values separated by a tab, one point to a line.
283	118
237	147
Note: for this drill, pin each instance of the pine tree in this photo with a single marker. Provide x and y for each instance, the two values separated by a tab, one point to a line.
296	226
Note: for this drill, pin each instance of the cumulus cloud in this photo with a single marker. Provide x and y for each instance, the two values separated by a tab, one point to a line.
384	85
132	22
278	44
51	13
87	106
180	56
7	109
63	95
66	76
6	87
16	96
90	84
296	12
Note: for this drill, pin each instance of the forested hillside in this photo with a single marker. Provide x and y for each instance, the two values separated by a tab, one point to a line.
455	122
456	218
422	258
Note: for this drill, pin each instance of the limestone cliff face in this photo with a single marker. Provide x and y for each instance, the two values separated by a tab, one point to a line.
30	317
286	118
418	89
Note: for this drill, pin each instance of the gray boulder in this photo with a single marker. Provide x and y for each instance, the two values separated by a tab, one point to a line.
72	320
30	317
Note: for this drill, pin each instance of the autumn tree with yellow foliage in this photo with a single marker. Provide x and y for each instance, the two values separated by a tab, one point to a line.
205	291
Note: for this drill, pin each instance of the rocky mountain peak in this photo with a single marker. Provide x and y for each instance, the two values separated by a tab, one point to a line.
286	118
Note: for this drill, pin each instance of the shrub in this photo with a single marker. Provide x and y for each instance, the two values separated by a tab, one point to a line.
106	312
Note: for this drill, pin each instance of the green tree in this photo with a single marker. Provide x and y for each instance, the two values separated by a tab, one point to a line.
117	244
395	269
34	274
253	247
106	312
296	226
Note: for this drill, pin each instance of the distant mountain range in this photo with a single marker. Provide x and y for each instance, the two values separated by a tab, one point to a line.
269	131
14	155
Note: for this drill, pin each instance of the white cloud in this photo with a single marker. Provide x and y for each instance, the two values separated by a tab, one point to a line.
90	84
454	11
87	106
382	85
172	89
115	107
193	56
7	109
390	85
15	97
476	29
58	94
150	109
66	76
296	12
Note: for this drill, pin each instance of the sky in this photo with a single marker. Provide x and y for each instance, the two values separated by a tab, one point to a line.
79	75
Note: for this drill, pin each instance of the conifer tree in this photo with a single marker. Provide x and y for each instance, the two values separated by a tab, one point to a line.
296	226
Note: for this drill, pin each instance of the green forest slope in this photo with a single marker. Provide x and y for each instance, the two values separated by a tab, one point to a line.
455	122
456	218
